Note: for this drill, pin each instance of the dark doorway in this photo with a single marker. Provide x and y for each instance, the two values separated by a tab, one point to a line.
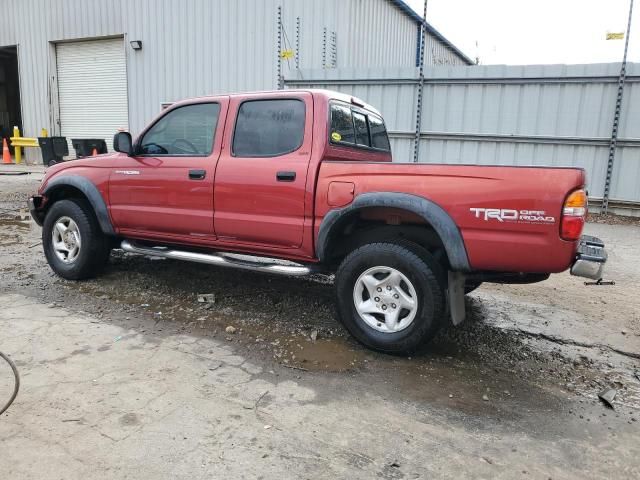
10	112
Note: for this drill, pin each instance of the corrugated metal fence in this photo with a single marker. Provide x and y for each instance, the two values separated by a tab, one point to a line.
507	115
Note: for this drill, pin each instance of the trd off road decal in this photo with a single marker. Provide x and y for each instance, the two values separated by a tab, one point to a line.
509	215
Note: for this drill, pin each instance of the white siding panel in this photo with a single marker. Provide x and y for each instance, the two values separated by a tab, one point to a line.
92	89
559	115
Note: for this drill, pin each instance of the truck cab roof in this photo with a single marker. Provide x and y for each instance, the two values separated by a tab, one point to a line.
324	94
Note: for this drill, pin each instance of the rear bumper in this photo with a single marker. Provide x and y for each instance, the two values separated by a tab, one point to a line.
35	203
590	258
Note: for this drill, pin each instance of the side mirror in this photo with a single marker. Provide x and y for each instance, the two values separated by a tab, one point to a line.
123	143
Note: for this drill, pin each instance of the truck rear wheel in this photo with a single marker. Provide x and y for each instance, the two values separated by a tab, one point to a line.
389	298
73	243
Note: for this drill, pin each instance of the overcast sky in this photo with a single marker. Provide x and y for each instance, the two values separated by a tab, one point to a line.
536	31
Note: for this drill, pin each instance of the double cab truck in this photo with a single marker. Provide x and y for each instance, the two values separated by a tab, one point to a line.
298	182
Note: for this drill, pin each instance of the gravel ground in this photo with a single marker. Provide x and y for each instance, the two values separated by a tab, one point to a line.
530	356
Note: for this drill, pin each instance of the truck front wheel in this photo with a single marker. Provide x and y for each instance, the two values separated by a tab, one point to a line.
73	243
389	298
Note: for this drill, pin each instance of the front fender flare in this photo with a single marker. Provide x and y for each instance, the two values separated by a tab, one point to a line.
91	192
432	213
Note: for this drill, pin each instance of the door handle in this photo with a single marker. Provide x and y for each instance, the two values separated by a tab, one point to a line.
286	176
197	174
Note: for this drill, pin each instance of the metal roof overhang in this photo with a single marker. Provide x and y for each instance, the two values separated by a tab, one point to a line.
418	19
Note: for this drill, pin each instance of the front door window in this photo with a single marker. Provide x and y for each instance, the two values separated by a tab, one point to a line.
184	131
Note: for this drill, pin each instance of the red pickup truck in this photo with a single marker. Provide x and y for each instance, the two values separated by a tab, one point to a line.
296	182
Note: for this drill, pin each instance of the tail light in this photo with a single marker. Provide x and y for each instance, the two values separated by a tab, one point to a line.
574	212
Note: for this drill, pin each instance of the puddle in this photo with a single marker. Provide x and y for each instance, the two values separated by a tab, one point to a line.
447	375
12	231
328	355
15	222
11	228
287	341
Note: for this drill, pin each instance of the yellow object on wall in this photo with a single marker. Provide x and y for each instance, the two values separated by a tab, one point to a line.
287	54
615	36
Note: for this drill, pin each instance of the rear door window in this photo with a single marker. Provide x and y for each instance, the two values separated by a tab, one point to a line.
269	128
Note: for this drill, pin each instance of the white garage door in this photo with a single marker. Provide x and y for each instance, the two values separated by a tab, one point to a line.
92	89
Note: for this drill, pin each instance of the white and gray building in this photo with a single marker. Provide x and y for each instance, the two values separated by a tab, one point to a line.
84	68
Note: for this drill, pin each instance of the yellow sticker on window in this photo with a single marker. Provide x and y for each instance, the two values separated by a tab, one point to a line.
336	137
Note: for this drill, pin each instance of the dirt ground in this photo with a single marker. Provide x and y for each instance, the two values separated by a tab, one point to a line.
128	375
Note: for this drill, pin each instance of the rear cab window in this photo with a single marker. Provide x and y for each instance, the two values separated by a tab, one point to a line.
355	127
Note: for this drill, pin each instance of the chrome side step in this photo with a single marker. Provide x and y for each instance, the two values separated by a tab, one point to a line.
245	262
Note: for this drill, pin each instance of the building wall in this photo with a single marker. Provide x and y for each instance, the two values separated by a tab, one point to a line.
367	33
32	25
436	53
377	34
198	47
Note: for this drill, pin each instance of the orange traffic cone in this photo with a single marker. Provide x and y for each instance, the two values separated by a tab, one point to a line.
94	152
6	154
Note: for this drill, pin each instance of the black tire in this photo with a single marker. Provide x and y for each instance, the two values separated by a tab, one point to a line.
471	286
427	257
415	267
94	247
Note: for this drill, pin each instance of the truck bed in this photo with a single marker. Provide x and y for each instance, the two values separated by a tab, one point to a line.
509	216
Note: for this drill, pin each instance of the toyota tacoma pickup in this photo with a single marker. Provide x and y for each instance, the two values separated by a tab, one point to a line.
298	182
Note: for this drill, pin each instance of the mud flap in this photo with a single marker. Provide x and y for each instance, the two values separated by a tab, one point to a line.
456	297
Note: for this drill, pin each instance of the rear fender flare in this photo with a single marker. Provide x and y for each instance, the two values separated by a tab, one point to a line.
90	191
431	212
